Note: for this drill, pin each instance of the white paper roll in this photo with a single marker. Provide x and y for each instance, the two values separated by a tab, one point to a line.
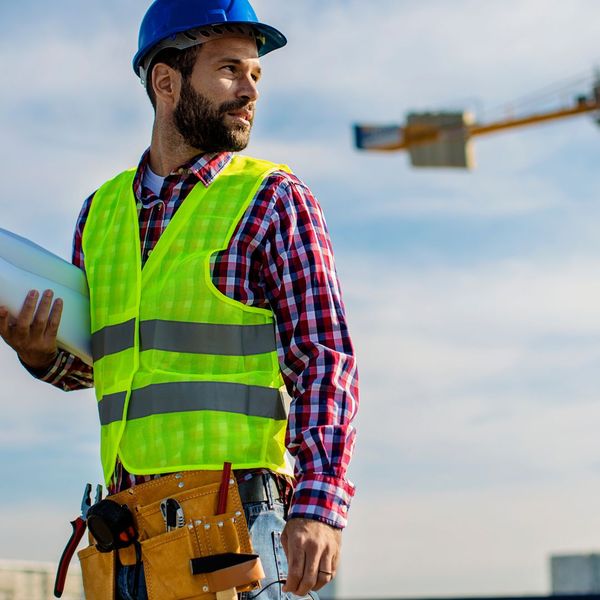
25	266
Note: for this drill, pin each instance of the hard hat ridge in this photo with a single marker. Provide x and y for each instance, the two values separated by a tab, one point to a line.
180	23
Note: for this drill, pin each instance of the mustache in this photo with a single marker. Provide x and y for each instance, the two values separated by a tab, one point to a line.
236	105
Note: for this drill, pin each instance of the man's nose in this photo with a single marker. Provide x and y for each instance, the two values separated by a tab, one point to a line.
248	89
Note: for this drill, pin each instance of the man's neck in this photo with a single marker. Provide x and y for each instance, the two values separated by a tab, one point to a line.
168	151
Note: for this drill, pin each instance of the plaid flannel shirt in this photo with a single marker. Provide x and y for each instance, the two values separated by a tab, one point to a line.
279	257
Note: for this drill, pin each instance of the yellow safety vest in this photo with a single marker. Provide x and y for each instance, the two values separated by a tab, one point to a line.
186	378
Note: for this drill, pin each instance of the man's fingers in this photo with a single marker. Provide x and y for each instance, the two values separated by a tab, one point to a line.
306	578
323	579
33	333
312	559
327	568
295	570
38	325
4	320
25	317
334	563
54	319
312	549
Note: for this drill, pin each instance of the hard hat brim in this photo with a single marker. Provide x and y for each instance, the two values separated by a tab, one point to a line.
274	40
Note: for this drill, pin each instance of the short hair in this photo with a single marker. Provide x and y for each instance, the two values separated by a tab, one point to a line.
180	60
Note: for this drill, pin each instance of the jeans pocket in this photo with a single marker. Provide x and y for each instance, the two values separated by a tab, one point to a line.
265	533
279	555
282	573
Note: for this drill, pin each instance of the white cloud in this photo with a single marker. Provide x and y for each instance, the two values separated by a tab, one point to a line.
34	414
38	529
453	543
494	301
470	461
79	121
387	56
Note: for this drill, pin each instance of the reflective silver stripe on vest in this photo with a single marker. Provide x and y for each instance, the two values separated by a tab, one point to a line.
207	338
113	339
111	408
162	398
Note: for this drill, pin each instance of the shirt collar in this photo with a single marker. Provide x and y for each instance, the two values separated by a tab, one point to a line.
204	168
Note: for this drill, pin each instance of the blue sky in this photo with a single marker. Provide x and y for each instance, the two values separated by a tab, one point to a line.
472	297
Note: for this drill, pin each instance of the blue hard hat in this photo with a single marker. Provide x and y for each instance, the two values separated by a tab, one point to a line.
165	19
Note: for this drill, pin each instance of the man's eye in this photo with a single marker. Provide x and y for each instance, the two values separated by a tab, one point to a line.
230	68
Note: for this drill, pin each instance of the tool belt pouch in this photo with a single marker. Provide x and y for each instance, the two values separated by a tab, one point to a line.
98	572
169	567
168	556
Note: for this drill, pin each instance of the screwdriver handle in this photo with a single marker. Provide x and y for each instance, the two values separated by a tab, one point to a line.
224	489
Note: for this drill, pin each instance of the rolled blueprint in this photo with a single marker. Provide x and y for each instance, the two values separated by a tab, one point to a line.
25	266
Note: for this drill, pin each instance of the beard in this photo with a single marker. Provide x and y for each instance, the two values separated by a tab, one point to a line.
202	124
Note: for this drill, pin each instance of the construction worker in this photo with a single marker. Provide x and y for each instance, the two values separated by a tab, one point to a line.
233	296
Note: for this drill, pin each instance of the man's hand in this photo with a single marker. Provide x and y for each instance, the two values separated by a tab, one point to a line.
33	333
312	549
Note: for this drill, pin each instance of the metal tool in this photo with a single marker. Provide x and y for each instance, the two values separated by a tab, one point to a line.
172	514
79	525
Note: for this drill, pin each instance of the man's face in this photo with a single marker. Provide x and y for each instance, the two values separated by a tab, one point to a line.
215	110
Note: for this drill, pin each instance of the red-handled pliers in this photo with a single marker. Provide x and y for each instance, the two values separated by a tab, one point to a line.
79	525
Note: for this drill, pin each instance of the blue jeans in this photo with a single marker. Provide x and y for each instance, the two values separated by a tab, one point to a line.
266	522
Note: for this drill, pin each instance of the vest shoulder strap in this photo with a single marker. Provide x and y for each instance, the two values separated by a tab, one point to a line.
119	180
245	163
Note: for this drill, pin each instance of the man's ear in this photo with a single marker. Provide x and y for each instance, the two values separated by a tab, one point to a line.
166	83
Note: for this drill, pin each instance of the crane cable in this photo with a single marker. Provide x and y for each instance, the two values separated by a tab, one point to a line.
547	93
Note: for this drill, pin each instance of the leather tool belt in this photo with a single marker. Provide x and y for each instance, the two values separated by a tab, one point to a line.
169	557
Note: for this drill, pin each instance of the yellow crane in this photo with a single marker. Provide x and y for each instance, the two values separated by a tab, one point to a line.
443	139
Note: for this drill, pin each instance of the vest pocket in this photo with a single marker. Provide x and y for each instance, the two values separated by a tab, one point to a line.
98	572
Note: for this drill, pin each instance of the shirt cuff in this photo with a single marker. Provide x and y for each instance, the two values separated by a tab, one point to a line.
324	498
49	374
